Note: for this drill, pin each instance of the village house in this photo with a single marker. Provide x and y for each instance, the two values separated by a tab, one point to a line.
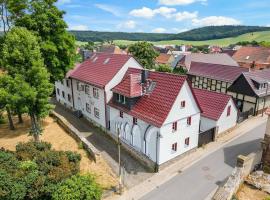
213	77
253	57
156	114
165	59
251	91
87	88
218	111
220	58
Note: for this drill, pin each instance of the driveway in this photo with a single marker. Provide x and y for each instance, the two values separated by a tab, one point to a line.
134	172
196	182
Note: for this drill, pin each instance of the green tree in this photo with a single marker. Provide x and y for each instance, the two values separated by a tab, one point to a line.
57	45
89	46
164	68
145	53
78	187
21	55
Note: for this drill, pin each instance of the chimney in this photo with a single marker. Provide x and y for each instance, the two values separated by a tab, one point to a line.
144	75
86	54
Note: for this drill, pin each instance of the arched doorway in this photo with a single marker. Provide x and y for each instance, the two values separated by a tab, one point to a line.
136	137
127	133
151	144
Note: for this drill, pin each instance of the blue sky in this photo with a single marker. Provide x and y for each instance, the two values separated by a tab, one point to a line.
160	16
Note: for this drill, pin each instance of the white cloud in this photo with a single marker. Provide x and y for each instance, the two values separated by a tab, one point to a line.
61	2
180	16
79	27
127	25
143	12
180	2
163	11
215	21
109	8
159	30
268	25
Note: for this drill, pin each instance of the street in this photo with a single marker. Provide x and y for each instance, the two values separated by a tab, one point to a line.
196	182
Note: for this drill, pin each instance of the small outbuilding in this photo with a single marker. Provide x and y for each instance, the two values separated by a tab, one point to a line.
218	111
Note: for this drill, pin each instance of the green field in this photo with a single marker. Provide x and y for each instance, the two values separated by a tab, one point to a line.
258	36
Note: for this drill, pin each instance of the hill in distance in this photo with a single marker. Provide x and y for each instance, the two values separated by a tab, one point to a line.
199	34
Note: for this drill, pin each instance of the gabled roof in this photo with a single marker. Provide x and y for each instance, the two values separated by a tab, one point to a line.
163	58
211	103
250	54
154	108
220	72
259	76
220	58
130	86
100	68
111	49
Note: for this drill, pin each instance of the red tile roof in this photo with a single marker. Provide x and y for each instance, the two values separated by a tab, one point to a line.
130	86
100	68
154	108
250	54
211	103
163	58
225	73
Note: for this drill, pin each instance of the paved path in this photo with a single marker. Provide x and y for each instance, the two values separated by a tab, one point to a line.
135	173
196	182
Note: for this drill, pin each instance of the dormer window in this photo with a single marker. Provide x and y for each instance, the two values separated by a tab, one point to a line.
106	61
121	98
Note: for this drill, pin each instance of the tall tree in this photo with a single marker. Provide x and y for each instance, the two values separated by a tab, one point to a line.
22	56
145	53
57	45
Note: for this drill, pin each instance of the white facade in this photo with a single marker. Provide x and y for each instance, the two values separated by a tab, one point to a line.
64	93
156	143
93	107
224	122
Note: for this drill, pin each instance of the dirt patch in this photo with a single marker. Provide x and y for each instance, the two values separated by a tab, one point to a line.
247	192
60	140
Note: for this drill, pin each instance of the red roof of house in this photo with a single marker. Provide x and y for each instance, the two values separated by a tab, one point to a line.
211	103
250	54
100	68
225	73
154	108
130	86
163	58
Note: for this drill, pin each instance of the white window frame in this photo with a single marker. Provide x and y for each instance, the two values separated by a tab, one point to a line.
96	113
95	93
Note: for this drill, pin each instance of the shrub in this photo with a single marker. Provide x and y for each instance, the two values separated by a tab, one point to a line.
78	187
164	68
180	70
34	170
73	156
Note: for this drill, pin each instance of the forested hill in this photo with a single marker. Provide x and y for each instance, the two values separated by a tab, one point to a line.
199	34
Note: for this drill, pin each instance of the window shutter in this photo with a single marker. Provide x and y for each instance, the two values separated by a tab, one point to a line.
229	111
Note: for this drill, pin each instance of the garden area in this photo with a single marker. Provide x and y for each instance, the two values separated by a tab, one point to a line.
247	192
58	163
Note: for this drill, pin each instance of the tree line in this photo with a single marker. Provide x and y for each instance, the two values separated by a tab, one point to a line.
199	34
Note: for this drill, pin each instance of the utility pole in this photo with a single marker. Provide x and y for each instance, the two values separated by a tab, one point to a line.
119	162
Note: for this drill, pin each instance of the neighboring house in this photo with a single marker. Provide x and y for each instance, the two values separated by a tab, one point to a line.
222	59
90	84
253	57
213	77
156	114
215	49
113	49
218	111
230	52
162	50
165	59
251	91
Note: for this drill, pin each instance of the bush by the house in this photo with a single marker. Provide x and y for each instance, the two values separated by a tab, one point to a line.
35	171
164	68
78	187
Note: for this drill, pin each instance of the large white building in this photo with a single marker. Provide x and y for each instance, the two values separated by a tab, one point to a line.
156	114
87	88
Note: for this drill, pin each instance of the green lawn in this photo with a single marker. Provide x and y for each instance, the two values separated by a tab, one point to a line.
258	36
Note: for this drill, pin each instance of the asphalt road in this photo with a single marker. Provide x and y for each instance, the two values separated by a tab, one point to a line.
196	182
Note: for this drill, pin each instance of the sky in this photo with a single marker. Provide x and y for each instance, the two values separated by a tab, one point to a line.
162	16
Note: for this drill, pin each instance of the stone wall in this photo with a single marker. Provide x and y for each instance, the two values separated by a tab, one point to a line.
245	165
77	135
